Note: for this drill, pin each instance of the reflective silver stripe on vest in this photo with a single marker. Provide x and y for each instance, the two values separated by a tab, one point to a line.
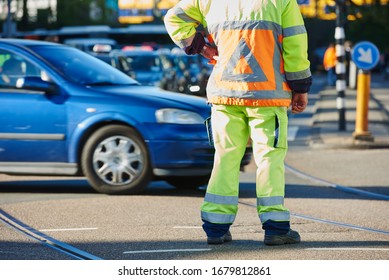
270	201
182	15
179	12
218	218
246	24
298	75
275	216
221	199
294	30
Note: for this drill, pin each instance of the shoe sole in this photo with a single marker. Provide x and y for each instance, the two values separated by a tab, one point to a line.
281	241
218	241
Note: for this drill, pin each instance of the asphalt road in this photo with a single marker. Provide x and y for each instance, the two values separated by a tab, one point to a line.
164	223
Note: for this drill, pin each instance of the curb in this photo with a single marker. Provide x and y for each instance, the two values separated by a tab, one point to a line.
339	140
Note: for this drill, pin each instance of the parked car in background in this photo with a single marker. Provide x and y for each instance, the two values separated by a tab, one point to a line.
115	58
105	50
151	68
191	74
171	70
88	44
65	112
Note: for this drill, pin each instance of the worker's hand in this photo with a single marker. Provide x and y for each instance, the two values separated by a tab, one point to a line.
210	53
299	102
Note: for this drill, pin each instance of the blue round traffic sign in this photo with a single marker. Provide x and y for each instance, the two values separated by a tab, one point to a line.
365	55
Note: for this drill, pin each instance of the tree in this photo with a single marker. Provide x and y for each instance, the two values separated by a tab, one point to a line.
373	25
25	17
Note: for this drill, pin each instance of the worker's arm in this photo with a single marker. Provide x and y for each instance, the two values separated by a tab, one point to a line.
181	23
295	49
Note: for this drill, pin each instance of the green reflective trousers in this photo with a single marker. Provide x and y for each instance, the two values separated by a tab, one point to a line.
232	126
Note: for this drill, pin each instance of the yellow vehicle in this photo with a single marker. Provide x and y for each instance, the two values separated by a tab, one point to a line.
140	11
164	5
325	9
136	11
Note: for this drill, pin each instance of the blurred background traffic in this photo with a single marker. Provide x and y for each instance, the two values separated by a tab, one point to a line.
130	35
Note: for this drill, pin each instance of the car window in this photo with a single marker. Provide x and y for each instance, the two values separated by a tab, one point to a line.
14	67
82	68
144	63
166	61
124	64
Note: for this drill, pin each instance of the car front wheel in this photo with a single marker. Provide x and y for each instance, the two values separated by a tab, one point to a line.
115	160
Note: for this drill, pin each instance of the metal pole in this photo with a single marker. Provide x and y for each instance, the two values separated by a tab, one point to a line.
8	22
363	96
340	66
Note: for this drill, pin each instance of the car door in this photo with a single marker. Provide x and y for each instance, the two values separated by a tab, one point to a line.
32	123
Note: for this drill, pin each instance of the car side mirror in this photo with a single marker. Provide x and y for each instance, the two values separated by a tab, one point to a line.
36	83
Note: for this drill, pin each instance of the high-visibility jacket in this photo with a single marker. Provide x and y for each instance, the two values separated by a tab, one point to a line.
329	60
262	47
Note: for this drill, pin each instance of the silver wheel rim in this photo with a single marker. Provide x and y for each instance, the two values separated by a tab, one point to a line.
118	160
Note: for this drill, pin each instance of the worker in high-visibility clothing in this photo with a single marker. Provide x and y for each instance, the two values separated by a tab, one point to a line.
259	48
329	63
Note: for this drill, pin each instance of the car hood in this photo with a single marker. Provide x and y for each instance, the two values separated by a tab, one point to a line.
155	96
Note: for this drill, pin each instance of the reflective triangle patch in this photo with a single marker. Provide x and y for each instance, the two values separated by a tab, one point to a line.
243	66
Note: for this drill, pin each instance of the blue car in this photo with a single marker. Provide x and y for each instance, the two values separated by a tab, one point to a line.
147	66
65	112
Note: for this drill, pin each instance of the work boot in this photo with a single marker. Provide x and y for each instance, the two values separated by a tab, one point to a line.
220	240
291	237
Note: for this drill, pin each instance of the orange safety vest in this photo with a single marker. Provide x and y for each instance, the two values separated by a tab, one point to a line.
329	60
248	72
259	48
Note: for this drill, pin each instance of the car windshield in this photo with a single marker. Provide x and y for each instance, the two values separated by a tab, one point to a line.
144	62
82	68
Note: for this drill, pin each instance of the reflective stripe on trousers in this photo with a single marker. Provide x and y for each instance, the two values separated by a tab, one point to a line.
231	128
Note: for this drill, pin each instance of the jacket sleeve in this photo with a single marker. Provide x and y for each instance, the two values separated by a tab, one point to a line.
181	22
295	48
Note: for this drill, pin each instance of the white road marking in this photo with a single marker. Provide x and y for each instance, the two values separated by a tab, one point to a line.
67	229
347	249
166	251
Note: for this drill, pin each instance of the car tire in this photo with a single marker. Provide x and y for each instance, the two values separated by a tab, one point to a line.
115	160
188	183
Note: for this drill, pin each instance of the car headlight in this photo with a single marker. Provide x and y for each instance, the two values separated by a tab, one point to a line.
195	88
178	116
